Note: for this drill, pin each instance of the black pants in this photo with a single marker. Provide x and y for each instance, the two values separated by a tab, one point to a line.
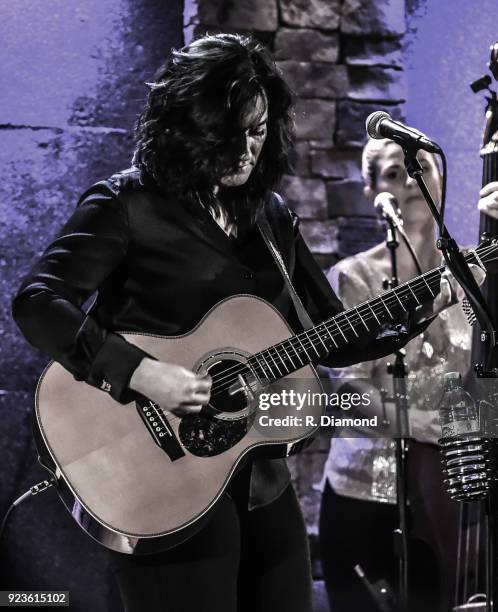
354	531
241	561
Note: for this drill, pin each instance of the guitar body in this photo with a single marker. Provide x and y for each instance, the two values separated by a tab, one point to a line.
112	474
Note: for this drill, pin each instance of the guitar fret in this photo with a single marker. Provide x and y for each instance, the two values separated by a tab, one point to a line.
340	330
302	345
402	306
295	350
351	326
320	338
373	312
276	364
362	320
331	336
384	304
267	365
428	286
416	298
253	368
290	358
312	343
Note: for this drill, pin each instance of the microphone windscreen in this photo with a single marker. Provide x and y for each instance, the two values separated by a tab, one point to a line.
373	121
387	207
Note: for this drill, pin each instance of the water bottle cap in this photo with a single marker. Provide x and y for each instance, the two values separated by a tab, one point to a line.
452	376
452	380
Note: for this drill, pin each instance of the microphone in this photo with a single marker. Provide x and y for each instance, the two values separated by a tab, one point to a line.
387	207
380	125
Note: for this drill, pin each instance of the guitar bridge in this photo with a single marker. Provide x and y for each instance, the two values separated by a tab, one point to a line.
159	428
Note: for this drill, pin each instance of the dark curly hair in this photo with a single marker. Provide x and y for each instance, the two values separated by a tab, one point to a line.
192	130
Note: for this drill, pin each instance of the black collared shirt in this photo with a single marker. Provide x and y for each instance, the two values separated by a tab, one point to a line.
159	266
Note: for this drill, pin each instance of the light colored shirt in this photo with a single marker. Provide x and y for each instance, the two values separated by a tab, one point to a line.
365	468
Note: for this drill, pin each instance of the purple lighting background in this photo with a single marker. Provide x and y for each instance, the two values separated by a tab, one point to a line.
72	81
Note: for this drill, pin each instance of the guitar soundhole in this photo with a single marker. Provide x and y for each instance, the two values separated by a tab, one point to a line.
225	422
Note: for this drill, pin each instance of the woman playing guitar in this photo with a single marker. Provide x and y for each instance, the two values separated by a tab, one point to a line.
163	243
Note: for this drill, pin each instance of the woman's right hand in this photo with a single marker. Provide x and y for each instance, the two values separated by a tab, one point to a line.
173	387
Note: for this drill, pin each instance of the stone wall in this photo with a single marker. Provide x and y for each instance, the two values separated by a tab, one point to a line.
343	59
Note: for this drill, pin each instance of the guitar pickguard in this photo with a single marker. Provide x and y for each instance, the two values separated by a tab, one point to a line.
206	436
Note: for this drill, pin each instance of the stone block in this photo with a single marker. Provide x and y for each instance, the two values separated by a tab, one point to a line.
373	52
300	158
346	198
358	234
382	17
315	118
351	117
259	15
323	14
306	197
306	45
376	84
337	163
316	80
320	236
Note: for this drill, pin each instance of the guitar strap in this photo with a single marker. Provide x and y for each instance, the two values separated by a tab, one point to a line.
269	238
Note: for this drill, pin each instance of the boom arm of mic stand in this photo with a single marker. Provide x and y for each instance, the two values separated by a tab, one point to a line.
453	257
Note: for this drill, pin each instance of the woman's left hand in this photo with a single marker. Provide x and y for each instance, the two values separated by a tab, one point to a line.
488	202
450	291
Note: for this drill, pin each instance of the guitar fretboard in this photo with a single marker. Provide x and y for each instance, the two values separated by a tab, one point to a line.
352	325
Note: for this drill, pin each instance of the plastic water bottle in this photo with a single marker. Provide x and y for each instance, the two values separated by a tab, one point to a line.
458	413
465	455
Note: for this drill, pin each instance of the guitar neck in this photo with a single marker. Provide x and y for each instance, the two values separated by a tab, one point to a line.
351	325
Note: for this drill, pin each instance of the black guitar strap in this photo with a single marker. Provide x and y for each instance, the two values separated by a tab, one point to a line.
269	238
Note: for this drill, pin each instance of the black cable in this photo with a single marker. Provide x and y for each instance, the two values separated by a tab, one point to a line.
34	490
409	244
443	193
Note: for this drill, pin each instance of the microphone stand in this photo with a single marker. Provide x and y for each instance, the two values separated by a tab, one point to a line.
398	371
457	265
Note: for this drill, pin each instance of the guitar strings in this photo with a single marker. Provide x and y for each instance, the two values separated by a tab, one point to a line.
336	319
355	318
305	340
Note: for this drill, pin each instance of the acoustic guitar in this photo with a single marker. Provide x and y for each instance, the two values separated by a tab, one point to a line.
139	480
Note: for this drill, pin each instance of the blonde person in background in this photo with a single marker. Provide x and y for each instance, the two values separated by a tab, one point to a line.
358	513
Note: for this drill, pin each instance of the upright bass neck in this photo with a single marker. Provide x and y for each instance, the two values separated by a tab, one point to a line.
488	226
